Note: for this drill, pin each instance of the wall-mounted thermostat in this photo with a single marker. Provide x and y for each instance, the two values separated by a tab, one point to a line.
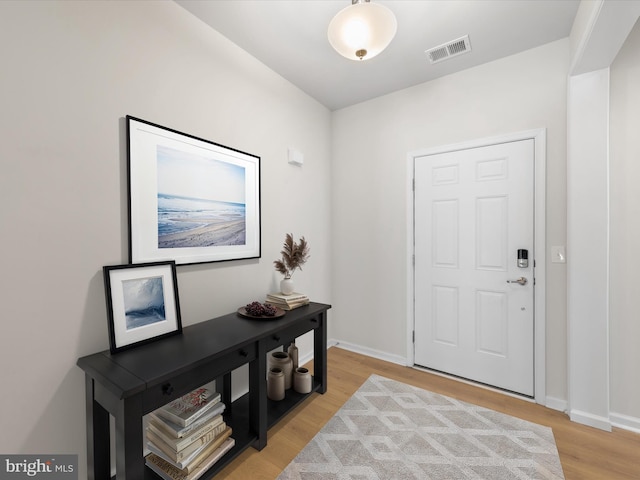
295	157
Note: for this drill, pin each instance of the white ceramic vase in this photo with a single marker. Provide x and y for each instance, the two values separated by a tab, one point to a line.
286	286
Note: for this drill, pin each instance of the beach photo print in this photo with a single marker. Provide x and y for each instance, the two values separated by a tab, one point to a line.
142	303
190	200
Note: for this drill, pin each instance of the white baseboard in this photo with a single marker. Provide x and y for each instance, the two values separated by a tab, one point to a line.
303	359
625	422
585	418
369	352
556	404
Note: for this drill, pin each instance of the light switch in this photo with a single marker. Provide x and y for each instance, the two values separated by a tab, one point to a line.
558	255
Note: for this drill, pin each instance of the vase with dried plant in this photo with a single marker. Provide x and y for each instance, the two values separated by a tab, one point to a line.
294	255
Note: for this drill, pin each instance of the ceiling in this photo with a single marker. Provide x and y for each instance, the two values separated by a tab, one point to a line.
290	37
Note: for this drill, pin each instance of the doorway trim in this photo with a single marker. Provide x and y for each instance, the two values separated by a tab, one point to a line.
539	137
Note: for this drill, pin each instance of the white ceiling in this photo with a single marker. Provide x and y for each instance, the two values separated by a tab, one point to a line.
290	37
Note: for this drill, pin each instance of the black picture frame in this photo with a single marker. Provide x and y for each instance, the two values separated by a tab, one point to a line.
190	200
142	303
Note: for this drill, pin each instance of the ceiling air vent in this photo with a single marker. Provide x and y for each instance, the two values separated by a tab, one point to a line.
449	49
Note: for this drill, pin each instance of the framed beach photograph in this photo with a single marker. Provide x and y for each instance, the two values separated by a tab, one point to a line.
142	303
190	200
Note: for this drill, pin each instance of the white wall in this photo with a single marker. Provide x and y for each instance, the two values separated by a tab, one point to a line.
587	246
370	145
70	72
625	233
598	34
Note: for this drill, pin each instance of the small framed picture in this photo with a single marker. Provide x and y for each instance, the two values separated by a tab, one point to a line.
190	200
142	303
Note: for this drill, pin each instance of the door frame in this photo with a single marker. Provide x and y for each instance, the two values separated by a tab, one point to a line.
539	137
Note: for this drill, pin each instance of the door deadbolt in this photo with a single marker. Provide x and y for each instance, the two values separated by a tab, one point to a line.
523	258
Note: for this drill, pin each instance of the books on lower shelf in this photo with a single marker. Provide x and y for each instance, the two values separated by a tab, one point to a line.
287	302
187	409
165	432
176	431
185	452
168	471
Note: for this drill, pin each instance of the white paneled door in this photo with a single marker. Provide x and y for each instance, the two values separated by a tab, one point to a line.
474	299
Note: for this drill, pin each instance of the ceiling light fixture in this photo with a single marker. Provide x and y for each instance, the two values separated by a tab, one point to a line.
362	30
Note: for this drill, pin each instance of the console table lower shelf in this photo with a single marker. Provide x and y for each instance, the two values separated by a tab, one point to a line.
241	431
133	383
242	434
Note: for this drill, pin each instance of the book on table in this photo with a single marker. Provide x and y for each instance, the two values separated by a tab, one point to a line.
183	451
168	471
166	433
293	297
192	459
187	433
287	306
287	302
187	409
176	431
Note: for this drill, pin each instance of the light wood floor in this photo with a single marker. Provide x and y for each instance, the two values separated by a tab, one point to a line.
586	453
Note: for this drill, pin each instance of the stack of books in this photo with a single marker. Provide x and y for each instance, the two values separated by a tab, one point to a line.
188	436
287	302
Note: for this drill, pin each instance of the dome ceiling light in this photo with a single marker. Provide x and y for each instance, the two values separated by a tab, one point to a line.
362	30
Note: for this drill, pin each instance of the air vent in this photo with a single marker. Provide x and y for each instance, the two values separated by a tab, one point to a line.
449	49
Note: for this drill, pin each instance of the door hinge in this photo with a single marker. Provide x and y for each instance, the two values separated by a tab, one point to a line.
413	259
414	336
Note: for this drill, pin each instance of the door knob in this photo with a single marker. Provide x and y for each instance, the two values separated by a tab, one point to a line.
521	281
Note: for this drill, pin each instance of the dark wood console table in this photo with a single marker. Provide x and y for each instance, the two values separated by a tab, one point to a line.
130	384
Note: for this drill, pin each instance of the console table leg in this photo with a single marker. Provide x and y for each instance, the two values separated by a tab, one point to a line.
129	440
98	436
223	386
320	353
258	396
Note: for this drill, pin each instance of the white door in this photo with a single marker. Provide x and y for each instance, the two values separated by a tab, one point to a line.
474	318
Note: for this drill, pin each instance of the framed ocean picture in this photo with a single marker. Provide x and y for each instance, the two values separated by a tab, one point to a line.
190	200
142	303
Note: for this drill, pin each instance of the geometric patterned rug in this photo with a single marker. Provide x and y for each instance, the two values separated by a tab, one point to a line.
389	430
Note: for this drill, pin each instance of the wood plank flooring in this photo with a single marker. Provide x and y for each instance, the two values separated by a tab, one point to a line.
585	453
